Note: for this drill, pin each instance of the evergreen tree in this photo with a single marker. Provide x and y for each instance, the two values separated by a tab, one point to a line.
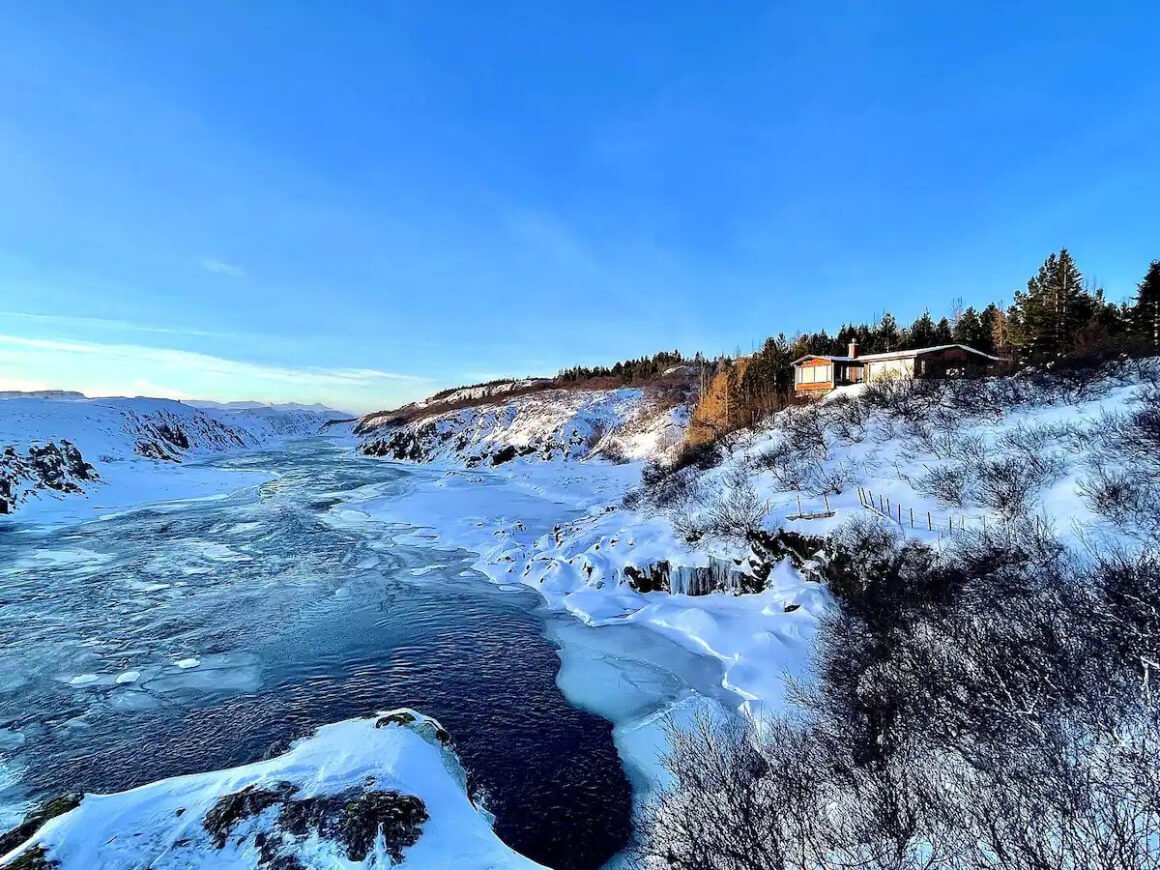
922	333
765	386
973	330
1146	314
1046	318
943	333
888	336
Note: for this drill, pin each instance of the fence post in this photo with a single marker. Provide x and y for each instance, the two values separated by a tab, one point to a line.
912	518
929	522
799	499
826	499
900	516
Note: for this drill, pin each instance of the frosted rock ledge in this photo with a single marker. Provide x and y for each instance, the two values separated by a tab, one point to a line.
379	792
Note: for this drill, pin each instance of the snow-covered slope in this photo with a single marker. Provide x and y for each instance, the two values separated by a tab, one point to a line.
65	444
557	424
1075	459
374	793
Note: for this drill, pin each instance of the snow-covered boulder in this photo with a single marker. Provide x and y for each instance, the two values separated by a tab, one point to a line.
379	792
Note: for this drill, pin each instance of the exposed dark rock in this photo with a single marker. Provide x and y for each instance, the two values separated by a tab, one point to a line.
769	548
399	717
33	823
652	578
153	450
234	808
506	454
354	819
34	858
47	465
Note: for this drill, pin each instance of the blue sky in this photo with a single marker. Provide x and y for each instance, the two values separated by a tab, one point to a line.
359	202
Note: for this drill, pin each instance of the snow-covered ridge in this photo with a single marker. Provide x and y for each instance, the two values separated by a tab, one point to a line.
48	440
548	424
380	792
492	390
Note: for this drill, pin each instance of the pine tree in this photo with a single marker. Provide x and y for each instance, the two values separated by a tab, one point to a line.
1146	314
887	335
943	333
1055	306
922	332
972	330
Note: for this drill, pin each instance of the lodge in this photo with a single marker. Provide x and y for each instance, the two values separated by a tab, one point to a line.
817	374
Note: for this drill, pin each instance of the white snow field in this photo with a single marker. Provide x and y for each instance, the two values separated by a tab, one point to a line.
367	767
133	446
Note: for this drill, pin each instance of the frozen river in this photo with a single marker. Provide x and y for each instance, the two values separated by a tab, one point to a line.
191	636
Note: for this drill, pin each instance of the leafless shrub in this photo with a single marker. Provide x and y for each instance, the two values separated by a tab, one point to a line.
736	510
950	483
820	480
613	451
968	448
790	461
685	507
1124	496
989	707
849	425
1007	483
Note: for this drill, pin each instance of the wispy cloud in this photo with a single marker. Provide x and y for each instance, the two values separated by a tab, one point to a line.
192	360
112	369
117	325
221	267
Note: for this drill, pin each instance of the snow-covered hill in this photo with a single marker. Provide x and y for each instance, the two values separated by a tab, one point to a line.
59	444
553	424
380	792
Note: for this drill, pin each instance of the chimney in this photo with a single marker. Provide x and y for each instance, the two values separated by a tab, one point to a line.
852	350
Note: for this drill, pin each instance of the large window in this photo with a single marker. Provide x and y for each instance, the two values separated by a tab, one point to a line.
813	374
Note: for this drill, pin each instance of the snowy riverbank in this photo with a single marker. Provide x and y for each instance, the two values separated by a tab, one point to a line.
560	528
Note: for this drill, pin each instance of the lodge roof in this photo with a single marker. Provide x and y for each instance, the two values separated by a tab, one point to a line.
895	354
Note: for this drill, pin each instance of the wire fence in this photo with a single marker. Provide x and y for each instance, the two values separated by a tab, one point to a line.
907	517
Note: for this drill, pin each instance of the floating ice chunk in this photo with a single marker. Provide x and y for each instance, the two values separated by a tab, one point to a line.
128	677
83	680
233	672
134	701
